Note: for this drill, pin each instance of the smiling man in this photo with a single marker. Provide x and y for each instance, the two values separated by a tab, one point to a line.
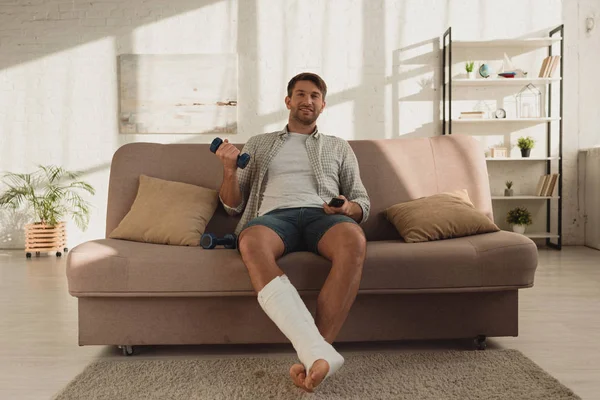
285	194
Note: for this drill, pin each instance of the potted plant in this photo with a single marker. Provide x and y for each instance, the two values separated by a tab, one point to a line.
508	191
469	68
519	218
525	144
52	193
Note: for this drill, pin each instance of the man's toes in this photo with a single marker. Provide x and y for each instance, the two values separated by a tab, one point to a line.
318	372
298	374
300	380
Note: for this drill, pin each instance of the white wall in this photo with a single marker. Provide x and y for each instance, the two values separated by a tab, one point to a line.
589	85
380	59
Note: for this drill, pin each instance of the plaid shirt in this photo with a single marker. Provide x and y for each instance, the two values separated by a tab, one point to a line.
333	161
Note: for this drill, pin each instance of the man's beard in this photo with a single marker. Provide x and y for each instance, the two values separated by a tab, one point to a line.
299	116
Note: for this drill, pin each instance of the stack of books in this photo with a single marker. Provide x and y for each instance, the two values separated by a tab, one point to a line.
546	185
549	66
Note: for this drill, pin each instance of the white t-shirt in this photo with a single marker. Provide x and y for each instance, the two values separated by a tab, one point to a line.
291	181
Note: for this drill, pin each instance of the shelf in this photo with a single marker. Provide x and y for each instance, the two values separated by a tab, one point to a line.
457	80
524	197
541	235
536	42
521	158
503	120
502	81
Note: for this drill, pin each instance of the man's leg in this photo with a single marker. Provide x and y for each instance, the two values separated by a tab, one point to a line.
260	247
281	302
344	244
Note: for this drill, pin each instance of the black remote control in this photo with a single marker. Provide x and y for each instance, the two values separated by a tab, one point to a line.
335	202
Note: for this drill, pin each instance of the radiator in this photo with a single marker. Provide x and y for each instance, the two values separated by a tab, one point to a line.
592	197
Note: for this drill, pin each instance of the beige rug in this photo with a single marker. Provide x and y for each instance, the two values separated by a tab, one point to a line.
490	374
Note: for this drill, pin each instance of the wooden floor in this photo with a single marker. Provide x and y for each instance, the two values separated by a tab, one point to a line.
559	327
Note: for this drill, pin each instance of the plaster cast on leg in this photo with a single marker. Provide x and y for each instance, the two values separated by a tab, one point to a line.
282	303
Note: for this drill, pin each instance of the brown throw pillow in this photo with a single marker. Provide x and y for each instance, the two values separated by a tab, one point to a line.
441	216
166	212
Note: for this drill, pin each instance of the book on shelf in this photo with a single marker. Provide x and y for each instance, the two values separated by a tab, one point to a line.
549	66
552	185
553	66
546	185
540	185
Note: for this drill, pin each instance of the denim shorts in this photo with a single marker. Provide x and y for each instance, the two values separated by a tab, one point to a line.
300	228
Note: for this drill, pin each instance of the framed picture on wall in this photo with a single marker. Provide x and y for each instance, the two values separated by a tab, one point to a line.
178	93
499	152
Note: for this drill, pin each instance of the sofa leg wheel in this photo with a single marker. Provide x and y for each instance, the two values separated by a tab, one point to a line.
480	342
127	350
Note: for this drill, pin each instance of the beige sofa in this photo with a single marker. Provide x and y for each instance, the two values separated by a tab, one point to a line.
133	293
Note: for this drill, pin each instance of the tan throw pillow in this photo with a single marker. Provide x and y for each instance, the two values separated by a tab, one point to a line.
166	212
441	216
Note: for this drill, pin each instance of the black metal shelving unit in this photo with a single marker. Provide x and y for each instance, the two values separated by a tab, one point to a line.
559	29
447	122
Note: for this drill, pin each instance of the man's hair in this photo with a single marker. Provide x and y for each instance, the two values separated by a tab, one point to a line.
307	76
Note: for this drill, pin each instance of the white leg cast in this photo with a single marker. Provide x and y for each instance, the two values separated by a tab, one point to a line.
282	303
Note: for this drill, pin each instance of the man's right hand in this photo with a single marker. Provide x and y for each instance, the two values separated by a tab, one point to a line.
228	154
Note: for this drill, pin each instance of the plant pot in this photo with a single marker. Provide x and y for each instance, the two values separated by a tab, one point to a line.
519	229
45	238
525	152
471	75
508	192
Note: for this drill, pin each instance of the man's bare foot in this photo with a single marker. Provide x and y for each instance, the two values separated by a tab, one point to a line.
318	372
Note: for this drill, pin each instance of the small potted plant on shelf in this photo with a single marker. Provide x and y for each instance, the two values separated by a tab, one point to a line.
519	218
469	68
525	144
53	193
508	191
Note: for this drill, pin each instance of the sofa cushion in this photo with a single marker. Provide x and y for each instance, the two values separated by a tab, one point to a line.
440	216
166	212
111	267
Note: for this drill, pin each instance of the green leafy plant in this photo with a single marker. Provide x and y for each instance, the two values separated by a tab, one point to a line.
509	184
469	66
525	142
51	191
519	216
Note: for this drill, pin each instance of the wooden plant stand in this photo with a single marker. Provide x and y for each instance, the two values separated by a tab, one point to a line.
45	238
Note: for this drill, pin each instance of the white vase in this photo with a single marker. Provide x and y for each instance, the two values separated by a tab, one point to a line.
471	75
519	229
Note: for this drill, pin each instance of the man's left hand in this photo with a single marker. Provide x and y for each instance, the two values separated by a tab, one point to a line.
344	209
349	208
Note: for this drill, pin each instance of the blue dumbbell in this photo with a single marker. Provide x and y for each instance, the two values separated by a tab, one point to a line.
210	241
242	159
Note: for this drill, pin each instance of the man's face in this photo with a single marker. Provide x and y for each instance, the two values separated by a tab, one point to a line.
306	103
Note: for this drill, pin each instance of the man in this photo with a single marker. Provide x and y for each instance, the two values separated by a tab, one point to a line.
283	193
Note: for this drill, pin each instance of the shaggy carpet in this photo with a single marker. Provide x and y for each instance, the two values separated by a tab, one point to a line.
464	375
